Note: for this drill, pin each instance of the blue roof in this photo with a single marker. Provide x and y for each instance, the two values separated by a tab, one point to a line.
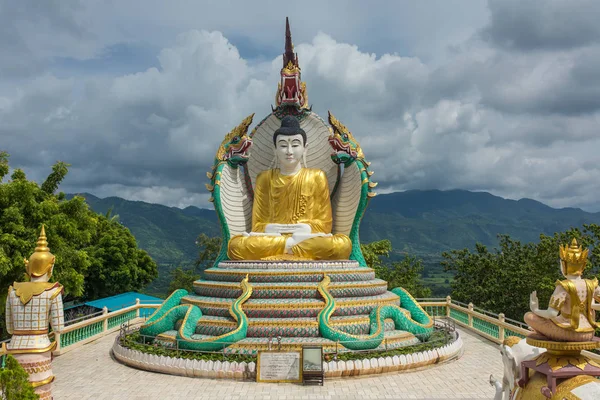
122	300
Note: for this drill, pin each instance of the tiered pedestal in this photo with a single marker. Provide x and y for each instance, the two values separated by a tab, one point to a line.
562	360
285	303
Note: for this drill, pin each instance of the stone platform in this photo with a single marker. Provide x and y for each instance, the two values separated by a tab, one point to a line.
90	372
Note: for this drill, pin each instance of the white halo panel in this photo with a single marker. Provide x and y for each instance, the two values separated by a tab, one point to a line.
318	154
346	199
236	203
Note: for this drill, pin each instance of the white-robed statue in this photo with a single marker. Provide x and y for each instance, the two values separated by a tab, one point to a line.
30	308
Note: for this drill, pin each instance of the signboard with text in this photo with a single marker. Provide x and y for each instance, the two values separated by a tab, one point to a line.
279	366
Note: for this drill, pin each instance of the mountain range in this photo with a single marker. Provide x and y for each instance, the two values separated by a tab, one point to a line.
420	222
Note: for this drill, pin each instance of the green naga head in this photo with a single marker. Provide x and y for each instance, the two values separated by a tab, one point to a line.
234	148
345	148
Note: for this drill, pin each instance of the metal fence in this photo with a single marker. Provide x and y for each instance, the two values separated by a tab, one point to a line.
173	347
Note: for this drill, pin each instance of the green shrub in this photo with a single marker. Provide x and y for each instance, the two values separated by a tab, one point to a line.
14	383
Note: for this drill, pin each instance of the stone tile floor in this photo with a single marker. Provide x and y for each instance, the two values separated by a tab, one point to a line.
90	372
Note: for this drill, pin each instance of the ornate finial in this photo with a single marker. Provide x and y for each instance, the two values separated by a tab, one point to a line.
289	56
41	260
573	257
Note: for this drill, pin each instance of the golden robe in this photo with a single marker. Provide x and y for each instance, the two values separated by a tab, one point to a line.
291	199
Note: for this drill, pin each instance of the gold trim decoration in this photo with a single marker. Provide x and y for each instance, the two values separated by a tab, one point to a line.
563	391
30	332
43	382
562	346
357	270
246	293
275	286
511	341
26	290
36	350
319	304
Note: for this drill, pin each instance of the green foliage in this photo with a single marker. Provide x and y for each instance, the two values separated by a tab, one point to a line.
208	250
502	279
182	279
59	171
14	383
405	274
94	256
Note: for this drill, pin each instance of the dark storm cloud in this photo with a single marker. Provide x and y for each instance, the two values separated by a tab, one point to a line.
543	24
486	114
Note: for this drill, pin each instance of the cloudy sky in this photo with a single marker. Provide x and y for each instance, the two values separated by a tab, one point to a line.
500	96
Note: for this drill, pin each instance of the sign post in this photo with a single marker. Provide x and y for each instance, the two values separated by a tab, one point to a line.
312	365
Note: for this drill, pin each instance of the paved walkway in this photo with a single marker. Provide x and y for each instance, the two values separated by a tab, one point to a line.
91	373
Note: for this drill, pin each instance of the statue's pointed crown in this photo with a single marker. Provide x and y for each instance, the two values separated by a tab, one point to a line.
41	260
574	256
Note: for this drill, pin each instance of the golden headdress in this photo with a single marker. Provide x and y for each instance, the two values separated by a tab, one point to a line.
573	257
41	261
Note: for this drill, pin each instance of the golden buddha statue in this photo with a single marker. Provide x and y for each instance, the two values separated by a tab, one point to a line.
570	315
291	213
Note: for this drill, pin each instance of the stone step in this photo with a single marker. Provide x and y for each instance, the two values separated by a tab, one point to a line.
270	290
251	345
291	307
287	327
289	275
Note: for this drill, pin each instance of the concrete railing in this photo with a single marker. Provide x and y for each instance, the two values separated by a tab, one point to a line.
88	330
495	327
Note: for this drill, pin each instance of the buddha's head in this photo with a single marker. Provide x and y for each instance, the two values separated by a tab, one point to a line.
290	142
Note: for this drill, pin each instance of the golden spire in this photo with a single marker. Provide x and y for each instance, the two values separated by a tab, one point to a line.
41	260
573	257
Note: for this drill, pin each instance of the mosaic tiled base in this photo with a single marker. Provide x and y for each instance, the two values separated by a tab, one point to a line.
285	303
291	275
287	327
290	307
274	265
269	290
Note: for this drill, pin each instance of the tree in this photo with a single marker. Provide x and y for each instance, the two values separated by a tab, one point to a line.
14	383
182	279
405	273
502	279
208	249
94	256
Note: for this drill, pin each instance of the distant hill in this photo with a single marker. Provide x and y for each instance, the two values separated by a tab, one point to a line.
422	222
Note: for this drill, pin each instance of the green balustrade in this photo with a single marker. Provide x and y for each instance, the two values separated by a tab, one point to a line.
459	316
120	319
436	311
508	332
79	334
486	327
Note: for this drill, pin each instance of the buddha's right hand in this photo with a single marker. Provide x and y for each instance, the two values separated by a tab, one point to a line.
287	228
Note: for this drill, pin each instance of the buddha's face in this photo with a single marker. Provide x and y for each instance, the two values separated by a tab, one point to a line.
289	149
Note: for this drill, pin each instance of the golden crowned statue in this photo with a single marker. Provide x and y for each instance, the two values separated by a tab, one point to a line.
30	308
571	312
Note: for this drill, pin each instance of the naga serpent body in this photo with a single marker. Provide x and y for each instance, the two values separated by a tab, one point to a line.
171	311
419	324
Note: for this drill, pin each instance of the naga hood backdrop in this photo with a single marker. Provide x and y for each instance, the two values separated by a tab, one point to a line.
500	96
